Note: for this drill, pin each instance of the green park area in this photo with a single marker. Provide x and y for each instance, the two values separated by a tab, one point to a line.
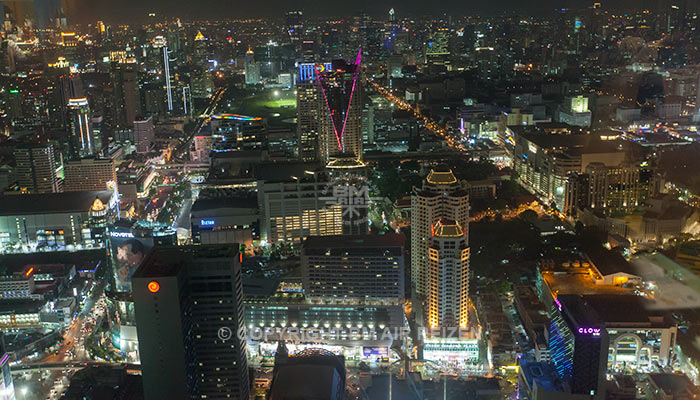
276	105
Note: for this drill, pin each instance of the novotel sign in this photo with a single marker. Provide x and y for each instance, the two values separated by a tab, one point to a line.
122	234
589	331
206	222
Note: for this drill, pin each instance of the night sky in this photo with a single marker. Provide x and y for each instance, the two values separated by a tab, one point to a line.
127	10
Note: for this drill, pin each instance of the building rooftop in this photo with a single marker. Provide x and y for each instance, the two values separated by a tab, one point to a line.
542	374
285	171
675	385
447	228
355	241
168	260
225	202
579	309
609	262
441	176
622	310
49	203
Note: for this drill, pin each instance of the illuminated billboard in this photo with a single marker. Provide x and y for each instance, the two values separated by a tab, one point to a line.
127	251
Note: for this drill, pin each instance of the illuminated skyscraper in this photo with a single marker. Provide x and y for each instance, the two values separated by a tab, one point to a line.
341	109
252	69
438	51
578	344
36	168
189	313
83	142
308	111
442	197
448	271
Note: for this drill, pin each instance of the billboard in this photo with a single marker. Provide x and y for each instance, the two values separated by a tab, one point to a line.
127	251
375	351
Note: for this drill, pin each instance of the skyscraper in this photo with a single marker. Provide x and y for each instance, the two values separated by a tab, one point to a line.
340	109
126	93
307	121
189	313
143	134
252	69
294	25
448	283
578	344
82	140
36	168
308	110
442	197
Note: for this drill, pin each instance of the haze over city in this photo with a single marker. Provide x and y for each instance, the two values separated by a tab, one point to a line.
349	200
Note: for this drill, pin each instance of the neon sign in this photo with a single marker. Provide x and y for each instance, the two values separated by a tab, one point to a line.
236	117
556	301
153	286
122	234
589	331
206	222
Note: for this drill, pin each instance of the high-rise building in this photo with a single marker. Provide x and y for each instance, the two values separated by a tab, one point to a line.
448	275
340	109
189	313
578	344
36	168
607	189
7	388
89	174
129	242
308	112
294	25
126	93
441	197
82	137
307	121
143	134
252	69
438	51
294	207
360	268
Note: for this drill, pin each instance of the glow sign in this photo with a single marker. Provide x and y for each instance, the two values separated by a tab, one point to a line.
589	331
122	234
206	222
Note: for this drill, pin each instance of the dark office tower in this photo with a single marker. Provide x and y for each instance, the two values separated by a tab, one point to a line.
70	9
294	25
36	168
340	110
189	312
578	345
71	88
126	101
46	13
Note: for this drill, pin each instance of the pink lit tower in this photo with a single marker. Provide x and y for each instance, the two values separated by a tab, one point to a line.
340	89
